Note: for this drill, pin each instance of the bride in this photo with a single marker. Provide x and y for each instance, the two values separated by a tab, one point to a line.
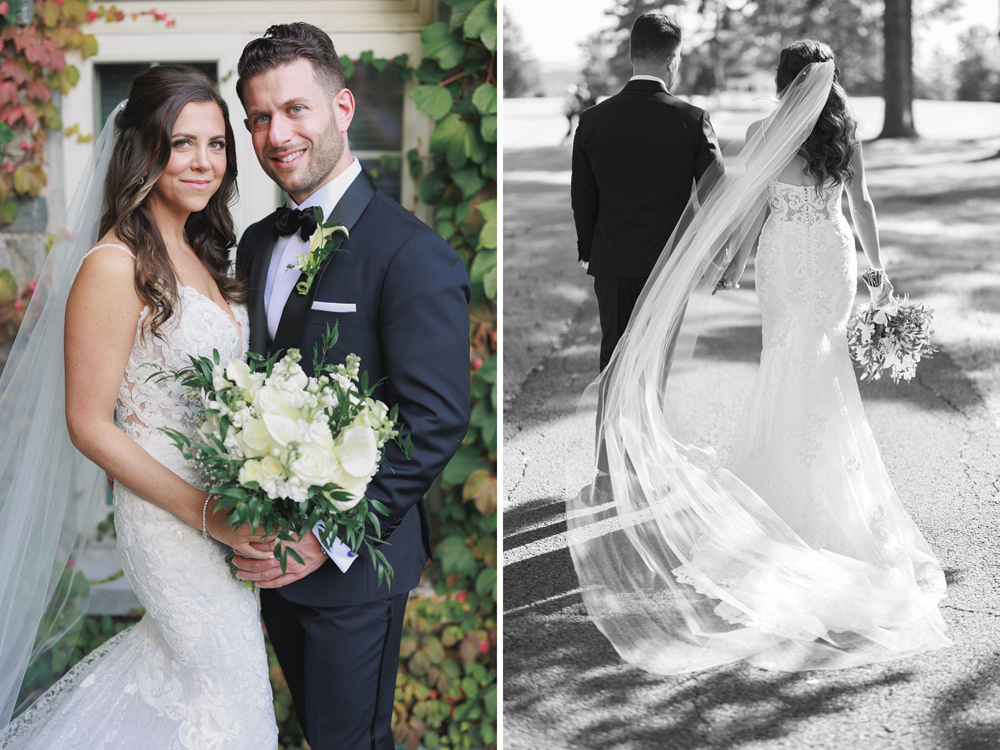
793	552
152	290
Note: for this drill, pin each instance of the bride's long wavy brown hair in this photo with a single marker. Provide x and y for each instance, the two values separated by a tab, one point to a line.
142	150
829	148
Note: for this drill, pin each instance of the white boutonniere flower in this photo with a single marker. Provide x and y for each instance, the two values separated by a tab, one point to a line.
323	242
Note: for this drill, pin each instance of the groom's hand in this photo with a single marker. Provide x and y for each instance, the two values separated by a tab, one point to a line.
267	573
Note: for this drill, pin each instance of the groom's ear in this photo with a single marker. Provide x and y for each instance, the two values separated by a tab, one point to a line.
343	105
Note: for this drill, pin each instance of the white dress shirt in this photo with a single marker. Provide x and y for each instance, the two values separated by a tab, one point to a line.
644	77
280	282
281	279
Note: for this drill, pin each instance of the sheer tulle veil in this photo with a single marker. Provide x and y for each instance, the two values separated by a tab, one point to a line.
49	493
657	495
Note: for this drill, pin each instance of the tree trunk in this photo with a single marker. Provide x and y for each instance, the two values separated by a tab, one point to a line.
897	83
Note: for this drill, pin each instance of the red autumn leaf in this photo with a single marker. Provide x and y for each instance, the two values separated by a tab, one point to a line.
40	91
37	54
8	92
31	114
29	180
12	114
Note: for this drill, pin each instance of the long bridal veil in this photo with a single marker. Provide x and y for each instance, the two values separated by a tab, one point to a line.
681	565
49	493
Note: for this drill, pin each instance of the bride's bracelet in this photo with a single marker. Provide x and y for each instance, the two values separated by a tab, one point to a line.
204	517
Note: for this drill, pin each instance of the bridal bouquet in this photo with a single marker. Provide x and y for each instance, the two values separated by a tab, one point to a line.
893	337
287	453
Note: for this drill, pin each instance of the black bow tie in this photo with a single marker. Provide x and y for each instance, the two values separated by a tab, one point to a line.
292	220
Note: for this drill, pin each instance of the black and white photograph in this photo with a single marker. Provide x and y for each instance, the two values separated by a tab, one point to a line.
751	374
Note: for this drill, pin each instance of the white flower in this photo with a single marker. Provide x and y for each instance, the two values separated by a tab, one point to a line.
271	399
272	476
219	378
239	372
255	439
283	430
314	466
357	451
251	471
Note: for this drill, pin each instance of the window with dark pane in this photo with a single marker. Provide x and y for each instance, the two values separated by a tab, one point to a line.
376	134
112	80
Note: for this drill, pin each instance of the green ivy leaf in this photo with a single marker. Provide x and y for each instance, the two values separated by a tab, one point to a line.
433	185
450	138
442	45
490	283
484	261
469	181
348	65
8	286
481	24
485	98
445	229
490	166
474	146
466	460
459	11
486	582
488	235
6	134
488	128
433	99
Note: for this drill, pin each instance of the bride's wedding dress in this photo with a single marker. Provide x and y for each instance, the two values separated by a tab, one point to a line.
192	673
794	551
804	447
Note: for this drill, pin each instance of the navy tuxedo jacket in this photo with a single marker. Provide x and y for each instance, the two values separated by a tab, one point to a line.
411	330
636	156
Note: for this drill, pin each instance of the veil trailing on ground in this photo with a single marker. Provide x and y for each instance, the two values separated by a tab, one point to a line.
682	566
49	493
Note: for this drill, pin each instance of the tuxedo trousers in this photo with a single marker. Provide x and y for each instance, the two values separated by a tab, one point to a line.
616	299
340	664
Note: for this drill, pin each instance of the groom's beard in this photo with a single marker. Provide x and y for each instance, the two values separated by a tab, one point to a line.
323	153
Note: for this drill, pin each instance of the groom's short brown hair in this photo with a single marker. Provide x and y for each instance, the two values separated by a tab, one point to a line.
286	43
654	38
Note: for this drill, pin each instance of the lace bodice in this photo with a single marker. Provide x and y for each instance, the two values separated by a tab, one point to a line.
198	326
804	204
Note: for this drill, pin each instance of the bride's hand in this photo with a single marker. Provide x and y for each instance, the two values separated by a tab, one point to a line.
241	539
730	280
882	295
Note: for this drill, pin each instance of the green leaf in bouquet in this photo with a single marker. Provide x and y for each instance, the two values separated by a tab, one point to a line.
379	506
376	524
408	447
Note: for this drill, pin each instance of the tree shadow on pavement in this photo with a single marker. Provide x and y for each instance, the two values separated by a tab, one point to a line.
562	674
967	716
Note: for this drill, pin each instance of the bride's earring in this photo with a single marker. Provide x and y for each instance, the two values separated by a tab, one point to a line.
141	179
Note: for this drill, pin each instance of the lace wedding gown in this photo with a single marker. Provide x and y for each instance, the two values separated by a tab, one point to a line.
804	447
192	673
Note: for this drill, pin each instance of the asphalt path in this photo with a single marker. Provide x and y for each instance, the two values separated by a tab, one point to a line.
564	686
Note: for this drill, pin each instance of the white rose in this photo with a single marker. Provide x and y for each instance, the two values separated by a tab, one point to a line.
255	439
273	400
319	433
251	471
314	466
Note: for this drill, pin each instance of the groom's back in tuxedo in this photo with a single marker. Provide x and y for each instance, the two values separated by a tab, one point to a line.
635	158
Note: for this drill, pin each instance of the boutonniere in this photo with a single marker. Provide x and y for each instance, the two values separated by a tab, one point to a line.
323	242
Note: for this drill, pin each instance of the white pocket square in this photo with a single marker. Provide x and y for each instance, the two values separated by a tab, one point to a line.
335	307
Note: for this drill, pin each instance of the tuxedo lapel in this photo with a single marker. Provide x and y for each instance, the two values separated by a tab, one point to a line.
266	241
347	211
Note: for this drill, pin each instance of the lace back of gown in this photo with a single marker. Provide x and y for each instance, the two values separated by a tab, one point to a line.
192	674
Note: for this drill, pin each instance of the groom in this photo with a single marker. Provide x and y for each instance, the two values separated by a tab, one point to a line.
399	297
636	157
